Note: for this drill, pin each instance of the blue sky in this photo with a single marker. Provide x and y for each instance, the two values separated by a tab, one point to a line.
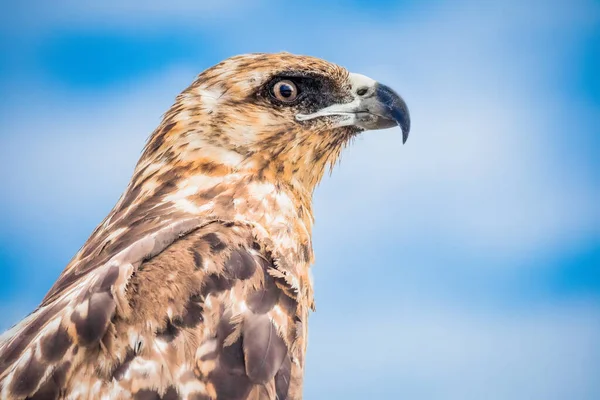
463	265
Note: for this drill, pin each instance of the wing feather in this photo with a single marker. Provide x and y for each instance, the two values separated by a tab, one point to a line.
245	324
193	309
45	344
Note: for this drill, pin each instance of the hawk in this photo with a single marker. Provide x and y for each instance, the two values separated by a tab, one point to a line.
197	285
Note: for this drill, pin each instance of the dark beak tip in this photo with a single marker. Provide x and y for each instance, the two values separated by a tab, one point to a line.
405	131
396	108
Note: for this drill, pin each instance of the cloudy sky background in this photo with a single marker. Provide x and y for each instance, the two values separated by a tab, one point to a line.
463	265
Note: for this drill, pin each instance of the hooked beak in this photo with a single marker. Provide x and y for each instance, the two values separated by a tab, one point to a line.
375	106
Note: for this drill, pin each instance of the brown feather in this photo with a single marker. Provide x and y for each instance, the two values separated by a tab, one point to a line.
196	285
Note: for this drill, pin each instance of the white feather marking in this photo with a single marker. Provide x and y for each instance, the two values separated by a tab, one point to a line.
191	387
133	338
191	185
183	115
202	181
260	190
207	347
114	234
160	345
277	309
95	389
210	97
142	366
284	201
190	207
182	193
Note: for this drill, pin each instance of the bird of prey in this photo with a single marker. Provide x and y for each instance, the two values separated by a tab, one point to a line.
197	284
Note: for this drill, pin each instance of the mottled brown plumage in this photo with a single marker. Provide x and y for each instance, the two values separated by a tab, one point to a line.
196	285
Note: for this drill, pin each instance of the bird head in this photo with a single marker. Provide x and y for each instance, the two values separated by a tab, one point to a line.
280	117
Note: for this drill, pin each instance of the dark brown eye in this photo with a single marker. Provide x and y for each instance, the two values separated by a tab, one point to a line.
285	91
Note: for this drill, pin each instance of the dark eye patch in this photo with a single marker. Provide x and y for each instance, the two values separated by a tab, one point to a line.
307	86
315	91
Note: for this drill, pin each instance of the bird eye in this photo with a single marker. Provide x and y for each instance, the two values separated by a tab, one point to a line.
285	91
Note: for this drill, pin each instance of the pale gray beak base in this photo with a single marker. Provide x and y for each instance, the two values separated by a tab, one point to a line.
375	106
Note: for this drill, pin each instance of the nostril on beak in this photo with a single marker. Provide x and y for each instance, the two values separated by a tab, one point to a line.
362	91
